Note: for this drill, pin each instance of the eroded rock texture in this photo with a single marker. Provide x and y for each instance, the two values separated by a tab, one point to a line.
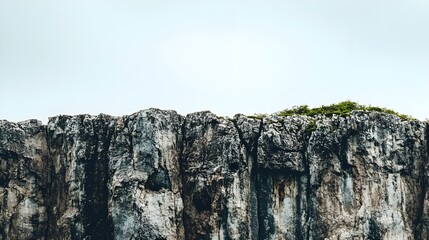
24	180
158	175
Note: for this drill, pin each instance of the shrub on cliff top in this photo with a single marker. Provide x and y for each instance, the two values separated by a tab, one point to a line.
340	109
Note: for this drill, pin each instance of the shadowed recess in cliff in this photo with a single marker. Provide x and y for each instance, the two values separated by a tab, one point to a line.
96	214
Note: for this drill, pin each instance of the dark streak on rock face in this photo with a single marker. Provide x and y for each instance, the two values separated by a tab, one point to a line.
97	222
158	180
158	175
374	232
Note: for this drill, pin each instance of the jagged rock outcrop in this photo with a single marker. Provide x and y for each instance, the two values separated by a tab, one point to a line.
159	175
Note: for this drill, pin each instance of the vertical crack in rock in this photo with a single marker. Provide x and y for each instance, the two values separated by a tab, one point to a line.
127	128
97	222
49	185
252	153
299	209
181	146
259	187
421	229
308	207
303	199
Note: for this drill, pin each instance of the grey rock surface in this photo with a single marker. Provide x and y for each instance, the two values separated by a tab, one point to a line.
158	175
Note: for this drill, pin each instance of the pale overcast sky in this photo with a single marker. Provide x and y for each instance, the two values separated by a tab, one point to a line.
118	57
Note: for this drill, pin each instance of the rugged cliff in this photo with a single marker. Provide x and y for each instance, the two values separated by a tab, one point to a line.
158	175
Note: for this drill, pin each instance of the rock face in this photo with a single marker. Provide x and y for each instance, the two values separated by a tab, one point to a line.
158	175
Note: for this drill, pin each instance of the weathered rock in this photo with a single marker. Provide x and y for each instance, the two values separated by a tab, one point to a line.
145	184
368	175
158	175
283	142
218	192
78	194
24	180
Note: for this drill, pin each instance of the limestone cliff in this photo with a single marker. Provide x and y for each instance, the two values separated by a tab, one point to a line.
159	175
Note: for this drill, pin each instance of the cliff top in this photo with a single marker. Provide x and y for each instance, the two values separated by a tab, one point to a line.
341	109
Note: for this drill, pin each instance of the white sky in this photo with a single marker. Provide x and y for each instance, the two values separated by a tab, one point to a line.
118	57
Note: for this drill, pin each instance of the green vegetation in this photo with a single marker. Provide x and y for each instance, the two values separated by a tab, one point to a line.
341	109
311	126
